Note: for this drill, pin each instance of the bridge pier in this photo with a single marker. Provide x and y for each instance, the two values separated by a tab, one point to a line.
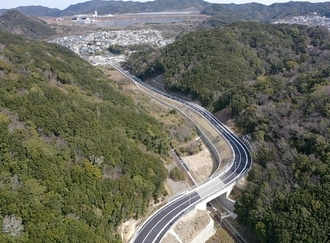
201	206
222	196
226	201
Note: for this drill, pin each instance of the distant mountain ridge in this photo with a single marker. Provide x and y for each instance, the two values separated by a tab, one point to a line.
222	13
35	11
115	7
227	13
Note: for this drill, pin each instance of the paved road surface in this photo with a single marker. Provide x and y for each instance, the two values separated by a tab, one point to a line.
154	229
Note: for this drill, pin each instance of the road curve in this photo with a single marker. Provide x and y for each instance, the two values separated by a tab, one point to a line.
154	229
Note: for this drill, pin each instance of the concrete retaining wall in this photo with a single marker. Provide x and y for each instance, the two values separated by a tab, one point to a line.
214	151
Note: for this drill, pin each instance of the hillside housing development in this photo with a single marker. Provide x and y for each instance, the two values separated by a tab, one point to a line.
92	43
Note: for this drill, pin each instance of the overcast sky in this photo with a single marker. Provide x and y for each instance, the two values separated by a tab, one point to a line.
62	4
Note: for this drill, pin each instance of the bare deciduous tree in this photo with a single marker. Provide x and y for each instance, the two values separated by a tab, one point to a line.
96	160
15	183
112	172
12	225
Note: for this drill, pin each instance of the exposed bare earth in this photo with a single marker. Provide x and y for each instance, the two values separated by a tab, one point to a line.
127	229
221	236
197	220
200	165
65	26
188	227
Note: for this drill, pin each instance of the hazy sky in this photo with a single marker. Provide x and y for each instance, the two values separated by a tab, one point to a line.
62	4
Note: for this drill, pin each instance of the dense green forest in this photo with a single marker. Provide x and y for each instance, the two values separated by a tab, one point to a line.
275	80
208	63
77	156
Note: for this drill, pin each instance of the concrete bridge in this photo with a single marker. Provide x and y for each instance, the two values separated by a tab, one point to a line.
219	184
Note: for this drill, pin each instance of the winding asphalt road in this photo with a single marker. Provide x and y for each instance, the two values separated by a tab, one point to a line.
154	229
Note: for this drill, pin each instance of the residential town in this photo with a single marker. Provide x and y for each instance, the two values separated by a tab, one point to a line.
313	20
90	45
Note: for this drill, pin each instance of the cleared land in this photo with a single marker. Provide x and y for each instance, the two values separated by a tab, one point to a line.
170	24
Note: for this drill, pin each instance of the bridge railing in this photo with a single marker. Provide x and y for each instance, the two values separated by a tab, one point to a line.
215	152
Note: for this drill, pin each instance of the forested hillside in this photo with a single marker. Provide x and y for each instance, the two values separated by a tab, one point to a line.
15	22
275	80
76	155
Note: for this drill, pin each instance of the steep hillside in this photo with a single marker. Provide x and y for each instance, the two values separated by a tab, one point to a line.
76	155
275	80
206	63
16	22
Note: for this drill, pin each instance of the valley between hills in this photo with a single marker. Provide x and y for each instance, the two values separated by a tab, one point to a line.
85	156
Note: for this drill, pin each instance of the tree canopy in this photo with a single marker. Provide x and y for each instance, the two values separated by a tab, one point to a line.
77	156
275	80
